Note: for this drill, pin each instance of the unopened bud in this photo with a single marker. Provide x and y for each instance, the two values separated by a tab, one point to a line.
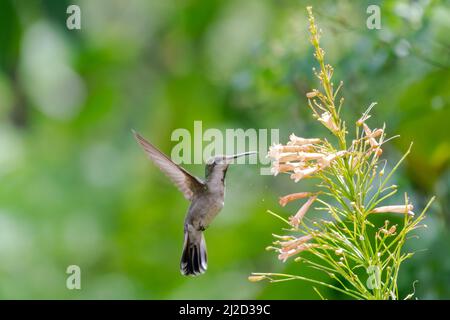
311	94
256	278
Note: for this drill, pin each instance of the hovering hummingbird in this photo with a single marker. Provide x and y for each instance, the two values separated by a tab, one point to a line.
206	197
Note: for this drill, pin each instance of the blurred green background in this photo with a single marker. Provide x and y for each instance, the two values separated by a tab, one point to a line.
76	189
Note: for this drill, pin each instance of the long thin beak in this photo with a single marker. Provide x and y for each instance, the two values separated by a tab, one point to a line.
229	159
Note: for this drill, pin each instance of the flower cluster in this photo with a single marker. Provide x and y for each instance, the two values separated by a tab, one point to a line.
301	157
370	136
352	187
294	246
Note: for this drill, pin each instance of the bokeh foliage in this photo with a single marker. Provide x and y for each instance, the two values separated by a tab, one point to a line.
76	189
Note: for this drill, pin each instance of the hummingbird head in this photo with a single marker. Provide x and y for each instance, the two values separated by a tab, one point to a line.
218	165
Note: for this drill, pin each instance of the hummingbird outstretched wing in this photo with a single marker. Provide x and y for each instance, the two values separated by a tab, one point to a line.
186	183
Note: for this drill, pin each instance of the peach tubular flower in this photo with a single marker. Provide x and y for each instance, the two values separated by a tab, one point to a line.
374	134
293	244
282	167
405	209
274	151
299	156
294	196
295	148
289	156
309	155
279	151
297	218
326	160
367	130
298	141
374	143
328	121
370	136
303	173
377	133
283	256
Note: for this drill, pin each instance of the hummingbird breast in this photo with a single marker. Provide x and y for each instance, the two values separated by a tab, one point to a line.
204	208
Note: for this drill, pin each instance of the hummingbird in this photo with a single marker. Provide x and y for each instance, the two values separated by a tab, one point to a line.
206	201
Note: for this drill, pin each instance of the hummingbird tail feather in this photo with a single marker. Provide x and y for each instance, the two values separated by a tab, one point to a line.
194	259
